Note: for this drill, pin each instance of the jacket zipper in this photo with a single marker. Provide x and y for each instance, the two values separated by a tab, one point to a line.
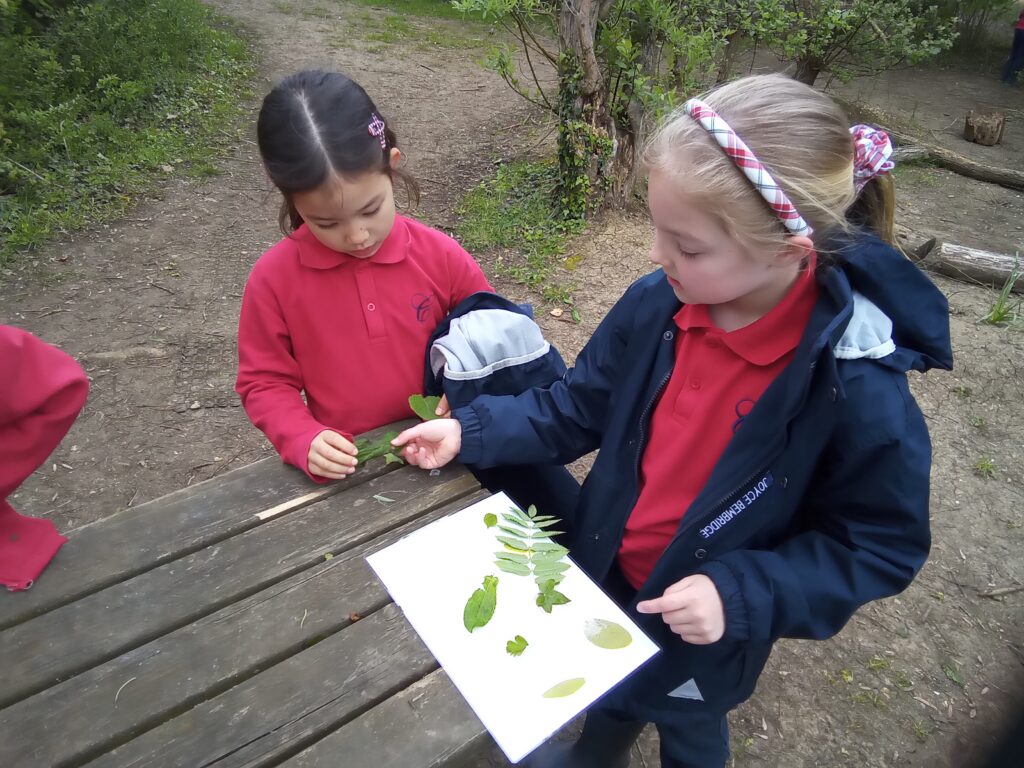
643	426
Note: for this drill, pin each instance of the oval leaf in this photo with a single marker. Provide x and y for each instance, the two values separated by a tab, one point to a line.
606	634
425	407
564	688
481	604
490	519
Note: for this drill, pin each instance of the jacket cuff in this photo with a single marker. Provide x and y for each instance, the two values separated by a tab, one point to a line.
472	434
737	617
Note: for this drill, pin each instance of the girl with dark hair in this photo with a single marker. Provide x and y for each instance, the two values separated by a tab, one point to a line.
341	309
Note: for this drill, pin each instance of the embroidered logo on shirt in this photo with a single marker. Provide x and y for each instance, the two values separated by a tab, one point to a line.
421	303
743	408
738	506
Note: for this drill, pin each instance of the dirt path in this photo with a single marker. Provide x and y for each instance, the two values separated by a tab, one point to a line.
149	305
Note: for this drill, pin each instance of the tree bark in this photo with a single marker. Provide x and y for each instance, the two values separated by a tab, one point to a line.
973	265
807	70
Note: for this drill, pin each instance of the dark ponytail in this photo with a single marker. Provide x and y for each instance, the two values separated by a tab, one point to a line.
316	123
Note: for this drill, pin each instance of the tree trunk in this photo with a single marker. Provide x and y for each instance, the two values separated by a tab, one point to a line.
589	142
807	70
976	266
728	57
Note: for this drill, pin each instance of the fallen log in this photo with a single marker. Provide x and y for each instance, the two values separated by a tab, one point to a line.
975	266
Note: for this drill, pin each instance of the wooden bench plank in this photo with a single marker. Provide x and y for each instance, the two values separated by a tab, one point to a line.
131	542
428	725
107	705
41	652
285	708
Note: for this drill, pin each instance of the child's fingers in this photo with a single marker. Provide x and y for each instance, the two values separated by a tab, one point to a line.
339	443
443	409
328	469
332	467
406	436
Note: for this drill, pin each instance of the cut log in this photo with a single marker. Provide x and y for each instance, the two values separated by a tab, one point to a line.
908	147
975	266
984	126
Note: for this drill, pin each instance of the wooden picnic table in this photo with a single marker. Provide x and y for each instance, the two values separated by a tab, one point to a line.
235	623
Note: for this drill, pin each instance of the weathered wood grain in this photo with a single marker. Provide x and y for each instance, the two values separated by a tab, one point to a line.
109	704
428	725
69	640
144	537
285	708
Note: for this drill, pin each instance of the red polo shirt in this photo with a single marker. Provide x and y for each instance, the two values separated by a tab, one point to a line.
351	334
717	379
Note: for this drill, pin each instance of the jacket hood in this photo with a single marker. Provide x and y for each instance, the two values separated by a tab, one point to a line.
899	317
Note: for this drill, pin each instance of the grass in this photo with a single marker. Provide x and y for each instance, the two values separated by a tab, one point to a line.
985	467
102	102
512	214
1006	310
439	9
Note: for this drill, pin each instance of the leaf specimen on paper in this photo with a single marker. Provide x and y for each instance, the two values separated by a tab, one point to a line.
516	646
529	551
564	688
481	604
425	407
606	634
490	519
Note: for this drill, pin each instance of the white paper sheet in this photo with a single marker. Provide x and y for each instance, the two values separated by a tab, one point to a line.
433	572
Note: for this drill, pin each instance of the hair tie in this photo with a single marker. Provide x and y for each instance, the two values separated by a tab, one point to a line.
871	151
377	129
747	162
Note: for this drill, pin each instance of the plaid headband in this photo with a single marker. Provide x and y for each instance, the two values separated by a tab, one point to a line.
871	151
747	162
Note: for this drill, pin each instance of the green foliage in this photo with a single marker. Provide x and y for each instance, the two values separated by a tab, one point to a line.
425	407
977	20
367	449
850	38
516	646
529	551
1005	310
100	99
513	211
490	520
481	604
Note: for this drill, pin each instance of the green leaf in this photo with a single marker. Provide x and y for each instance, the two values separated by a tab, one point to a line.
490	519
371	449
953	673
520	521
606	634
515	568
391	458
425	407
549	597
531	510
515	544
538	523
514	557
516	646
549	569
564	688
513	531
481	604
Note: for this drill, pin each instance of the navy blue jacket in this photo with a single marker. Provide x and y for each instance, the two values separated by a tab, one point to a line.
819	503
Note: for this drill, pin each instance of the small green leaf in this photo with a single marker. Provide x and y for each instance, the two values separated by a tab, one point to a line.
481	604
548	597
515	557
564	688
490	519
546	523
953	673
392	458
513	531
516	646
550	548
372	449
382	498
510	567
531	510
515	544
521	522
606	634
425	407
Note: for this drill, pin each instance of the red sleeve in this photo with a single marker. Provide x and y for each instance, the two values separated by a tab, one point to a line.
41	392
269	378
465	276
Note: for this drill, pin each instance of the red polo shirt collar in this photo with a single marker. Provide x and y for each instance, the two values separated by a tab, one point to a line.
316	255
765	340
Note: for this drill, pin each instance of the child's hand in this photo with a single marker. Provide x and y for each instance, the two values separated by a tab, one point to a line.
331	455
692	608
431	444
443	410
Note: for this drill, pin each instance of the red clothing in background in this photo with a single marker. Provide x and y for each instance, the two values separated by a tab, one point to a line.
717	379
350	333
41	392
